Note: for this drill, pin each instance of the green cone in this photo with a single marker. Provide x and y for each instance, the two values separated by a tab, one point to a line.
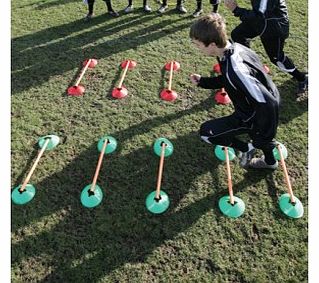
23	197
158	147
111	146
292	210
54	141
283	150
220	153
229	210
91	199
155	206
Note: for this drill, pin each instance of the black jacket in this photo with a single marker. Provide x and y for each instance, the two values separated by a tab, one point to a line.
254	95
268	17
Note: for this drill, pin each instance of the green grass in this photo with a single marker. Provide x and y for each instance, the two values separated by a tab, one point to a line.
55	239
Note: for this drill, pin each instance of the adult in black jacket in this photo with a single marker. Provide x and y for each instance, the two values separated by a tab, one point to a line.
254	95
269	20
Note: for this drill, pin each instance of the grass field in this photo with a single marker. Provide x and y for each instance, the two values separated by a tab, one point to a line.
56	239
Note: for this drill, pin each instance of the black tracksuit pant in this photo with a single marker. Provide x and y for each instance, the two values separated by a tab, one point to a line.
91	5
223	131
214	3
273	45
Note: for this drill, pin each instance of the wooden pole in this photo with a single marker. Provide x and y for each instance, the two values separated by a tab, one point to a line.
170	76
160	172
283	164
124	74
83	72
98	167
230	185
27	179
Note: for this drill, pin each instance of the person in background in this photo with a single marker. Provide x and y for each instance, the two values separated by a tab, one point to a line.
269	20
199	7
130	7
90	13
179	7
254	95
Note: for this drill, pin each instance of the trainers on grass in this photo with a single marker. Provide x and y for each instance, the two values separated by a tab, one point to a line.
147	9
128	9
162	9
260	163
245	157
88	17
113	13
197	13
181	9
302	87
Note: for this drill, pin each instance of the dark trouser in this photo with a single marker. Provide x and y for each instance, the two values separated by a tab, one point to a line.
178	3
215	4
223	131
91	5
274	46
130	2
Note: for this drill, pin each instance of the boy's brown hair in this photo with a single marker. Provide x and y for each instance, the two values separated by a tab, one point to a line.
208	29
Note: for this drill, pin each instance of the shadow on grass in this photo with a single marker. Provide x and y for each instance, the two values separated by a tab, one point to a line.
53	51
120	230
27	167
45	4
89	243
289	107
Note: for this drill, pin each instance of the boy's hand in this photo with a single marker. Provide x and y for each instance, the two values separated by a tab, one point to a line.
231	4
195	78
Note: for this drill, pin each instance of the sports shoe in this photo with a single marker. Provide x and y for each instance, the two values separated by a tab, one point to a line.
245	157
88	17
260	163
197	13
302	87
147	9
113	13
162	9
181	9
128	9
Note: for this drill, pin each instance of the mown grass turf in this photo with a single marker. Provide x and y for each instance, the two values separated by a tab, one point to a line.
55	239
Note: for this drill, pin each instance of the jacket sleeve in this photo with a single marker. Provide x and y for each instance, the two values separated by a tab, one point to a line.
211	82
264	120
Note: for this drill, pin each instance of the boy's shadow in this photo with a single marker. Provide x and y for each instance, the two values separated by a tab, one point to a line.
120	230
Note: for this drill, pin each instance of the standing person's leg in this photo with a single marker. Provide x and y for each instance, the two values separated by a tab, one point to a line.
215	4
163	7
146	7
274	49
243	34
179	6
110	9
129	7
199	8
90	13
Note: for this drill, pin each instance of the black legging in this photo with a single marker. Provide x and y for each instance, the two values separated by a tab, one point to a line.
214	3
178	3
91	5
130	2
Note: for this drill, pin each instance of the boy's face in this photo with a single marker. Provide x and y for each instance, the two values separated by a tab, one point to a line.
210	50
